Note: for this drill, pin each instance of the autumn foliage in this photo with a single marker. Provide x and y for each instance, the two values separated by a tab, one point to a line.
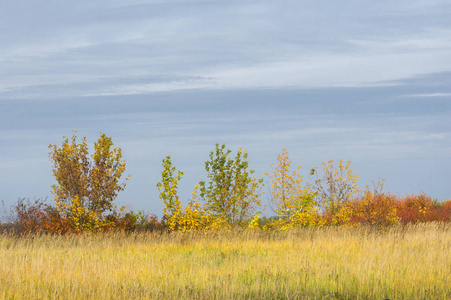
84	193
292	201
230	198
87	186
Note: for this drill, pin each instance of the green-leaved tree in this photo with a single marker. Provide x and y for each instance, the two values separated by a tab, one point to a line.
232	193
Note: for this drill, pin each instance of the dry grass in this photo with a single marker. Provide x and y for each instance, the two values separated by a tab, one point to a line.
331	263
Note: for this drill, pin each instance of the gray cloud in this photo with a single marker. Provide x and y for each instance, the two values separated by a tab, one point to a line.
52	47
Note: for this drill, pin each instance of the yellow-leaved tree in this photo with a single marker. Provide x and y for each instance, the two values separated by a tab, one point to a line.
87	185
292	201
335	190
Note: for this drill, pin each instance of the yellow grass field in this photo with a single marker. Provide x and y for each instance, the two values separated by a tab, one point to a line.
330	263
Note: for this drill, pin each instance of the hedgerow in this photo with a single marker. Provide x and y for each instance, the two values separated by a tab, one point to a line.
87	186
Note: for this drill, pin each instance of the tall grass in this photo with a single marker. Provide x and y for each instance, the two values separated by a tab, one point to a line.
410	262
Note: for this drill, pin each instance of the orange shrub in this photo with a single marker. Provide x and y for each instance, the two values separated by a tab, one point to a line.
378	209
414	208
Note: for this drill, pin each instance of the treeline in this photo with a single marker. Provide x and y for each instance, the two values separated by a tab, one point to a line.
87	186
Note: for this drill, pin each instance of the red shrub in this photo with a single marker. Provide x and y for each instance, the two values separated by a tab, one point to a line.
30	214
440	211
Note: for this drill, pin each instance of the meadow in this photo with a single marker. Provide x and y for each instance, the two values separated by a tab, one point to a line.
358	262
327	238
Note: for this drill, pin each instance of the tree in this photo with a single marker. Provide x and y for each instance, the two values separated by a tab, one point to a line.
232	194
292	201
87	186
336	187
172	213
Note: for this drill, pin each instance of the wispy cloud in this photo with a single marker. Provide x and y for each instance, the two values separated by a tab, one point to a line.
429	95
87	50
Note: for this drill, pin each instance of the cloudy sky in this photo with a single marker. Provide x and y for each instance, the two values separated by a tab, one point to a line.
367	82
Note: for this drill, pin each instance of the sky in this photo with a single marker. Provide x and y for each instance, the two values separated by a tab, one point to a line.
366	81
